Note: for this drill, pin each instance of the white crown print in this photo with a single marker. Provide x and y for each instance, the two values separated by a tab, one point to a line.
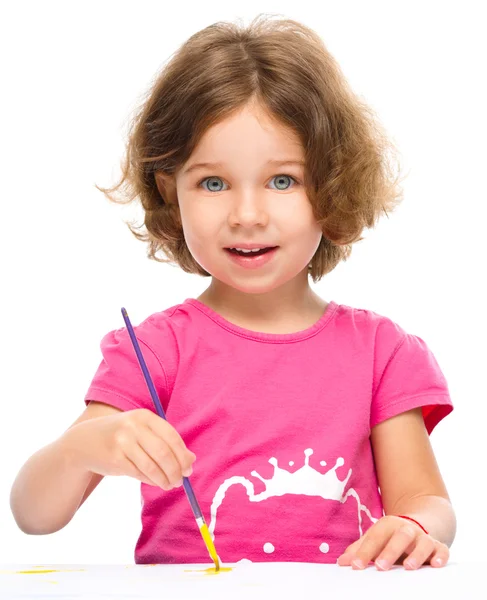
305	480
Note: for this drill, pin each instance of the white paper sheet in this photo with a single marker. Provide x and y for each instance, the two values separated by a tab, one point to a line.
246	580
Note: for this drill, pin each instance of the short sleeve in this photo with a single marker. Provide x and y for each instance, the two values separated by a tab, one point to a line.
407	376
119	380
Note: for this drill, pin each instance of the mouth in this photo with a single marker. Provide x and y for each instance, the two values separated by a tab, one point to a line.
251	253
254	259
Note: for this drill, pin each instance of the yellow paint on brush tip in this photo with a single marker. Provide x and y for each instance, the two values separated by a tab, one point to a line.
209	544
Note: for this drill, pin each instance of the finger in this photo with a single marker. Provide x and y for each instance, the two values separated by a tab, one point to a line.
161	454
441	555
374	541
425	548
346	558
134	472
165	431
400	540
353	547
146	465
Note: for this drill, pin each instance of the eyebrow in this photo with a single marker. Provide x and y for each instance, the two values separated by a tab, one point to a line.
219	165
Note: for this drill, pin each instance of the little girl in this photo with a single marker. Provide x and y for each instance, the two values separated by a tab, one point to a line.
303	423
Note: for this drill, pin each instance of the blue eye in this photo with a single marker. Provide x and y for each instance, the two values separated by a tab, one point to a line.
214	188
283	177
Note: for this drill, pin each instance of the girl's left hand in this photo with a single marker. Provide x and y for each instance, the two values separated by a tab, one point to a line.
394	540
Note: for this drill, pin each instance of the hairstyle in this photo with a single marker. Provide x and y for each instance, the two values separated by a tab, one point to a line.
284	67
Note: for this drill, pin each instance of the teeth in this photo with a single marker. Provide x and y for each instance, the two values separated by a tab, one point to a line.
243	250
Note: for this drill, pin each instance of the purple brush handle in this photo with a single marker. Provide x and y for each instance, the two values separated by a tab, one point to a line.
160	411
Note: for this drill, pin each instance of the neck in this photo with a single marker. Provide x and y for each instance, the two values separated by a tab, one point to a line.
292	303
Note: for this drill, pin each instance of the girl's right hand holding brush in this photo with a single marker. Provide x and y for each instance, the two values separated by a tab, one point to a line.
57	479
137	443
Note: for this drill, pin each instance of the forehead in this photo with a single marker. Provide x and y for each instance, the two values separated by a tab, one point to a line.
246	137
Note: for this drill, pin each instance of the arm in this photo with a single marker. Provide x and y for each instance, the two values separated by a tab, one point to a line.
49	488
409	477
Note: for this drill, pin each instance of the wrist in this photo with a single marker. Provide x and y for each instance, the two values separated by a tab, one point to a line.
68	446
406	517
435	513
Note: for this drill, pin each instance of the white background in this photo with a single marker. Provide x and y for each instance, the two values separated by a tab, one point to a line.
73	72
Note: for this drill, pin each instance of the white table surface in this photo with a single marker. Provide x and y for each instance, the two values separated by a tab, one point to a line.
246	581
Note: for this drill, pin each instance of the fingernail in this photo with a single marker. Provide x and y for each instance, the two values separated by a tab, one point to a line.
383	564
188	472
357	563
438	562
411	563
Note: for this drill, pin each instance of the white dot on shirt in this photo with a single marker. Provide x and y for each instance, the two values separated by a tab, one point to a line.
268	548
323	463
291	463
324	547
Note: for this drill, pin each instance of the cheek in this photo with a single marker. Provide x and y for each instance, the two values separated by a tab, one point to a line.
297	213
199	231
302	226
314	228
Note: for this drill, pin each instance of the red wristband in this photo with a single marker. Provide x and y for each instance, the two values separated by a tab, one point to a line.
414	521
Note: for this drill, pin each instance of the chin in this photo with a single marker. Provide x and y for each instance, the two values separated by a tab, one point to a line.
244	285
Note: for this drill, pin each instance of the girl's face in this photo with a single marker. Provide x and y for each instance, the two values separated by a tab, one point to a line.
247	199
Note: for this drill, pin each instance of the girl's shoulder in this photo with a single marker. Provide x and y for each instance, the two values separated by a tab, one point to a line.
369	321
167	318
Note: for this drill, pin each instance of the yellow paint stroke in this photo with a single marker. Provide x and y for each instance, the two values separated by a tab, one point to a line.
210	571
43	571
209	544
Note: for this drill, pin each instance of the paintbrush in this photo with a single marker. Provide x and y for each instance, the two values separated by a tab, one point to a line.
198	515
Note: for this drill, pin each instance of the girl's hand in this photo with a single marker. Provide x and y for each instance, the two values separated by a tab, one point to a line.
394	540
137	443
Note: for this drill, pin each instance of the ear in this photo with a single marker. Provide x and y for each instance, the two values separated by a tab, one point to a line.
166	185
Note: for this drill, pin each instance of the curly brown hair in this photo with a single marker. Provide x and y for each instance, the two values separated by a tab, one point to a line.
284	66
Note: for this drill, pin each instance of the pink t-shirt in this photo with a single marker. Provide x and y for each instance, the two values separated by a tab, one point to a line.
280	425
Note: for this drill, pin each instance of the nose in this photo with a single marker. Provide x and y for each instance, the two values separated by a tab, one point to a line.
248	209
